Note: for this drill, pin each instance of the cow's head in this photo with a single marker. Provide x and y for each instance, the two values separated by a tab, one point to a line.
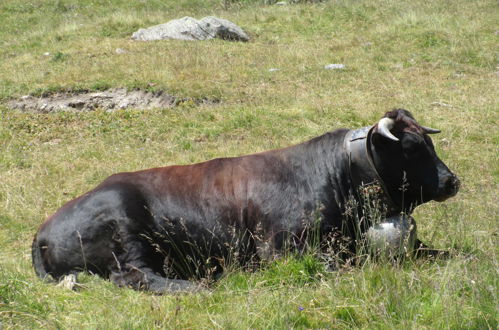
405	158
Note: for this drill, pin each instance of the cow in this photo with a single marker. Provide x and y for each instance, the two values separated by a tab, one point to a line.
160	228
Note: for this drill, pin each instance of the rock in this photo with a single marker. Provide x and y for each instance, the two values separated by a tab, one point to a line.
444	143
189	28
186	28
223	29
274	69
334	67
67	282
281	3
398	66
53	142
120	51
441	104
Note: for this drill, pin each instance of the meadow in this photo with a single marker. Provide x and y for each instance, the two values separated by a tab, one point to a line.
437	59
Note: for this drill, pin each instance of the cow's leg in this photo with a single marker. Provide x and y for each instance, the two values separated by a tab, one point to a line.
141	267
145	279
109	232
421	250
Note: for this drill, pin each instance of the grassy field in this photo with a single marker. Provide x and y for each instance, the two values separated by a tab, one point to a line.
436	58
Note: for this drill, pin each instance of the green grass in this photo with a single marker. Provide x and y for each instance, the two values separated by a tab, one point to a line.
412	54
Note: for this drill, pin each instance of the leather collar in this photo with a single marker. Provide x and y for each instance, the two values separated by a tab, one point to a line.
363	173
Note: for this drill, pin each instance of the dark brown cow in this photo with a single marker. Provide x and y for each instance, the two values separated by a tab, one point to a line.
156	228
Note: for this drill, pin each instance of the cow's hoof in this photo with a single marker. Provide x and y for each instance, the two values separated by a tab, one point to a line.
421	250
144	279
166	285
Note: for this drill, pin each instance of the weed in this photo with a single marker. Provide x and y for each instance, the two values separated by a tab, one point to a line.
59	57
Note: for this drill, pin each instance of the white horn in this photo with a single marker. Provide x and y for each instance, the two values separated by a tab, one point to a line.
429	130
384	127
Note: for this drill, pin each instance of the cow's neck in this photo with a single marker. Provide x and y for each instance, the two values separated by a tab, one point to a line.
367	185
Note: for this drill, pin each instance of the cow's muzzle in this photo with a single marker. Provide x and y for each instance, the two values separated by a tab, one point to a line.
450	188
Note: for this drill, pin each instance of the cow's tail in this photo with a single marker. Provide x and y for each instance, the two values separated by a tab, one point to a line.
36	255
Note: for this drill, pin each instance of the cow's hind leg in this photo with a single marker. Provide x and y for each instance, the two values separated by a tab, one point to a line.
145	279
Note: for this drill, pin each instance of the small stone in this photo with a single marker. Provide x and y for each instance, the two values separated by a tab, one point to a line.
281	3
67	282
46	54
444	143
442	104
274	69
334	66
120	51
53	142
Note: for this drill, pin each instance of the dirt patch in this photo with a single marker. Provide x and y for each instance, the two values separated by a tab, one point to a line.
112	99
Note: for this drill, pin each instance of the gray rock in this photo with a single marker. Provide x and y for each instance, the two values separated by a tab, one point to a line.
441	104
188	28
120	51
334	66
223	29
67	282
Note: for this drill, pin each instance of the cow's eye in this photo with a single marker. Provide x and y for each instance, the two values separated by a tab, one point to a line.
412	152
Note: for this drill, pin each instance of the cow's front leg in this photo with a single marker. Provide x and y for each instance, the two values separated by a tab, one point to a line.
422	250
146	279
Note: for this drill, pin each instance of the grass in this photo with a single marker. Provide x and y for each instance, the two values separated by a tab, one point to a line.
438	59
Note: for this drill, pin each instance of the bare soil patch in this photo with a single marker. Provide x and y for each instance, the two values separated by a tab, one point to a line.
111	99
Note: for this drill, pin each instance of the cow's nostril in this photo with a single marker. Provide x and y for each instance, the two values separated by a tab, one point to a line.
452	185
457	183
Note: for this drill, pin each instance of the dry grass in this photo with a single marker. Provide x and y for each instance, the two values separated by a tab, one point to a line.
435	58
